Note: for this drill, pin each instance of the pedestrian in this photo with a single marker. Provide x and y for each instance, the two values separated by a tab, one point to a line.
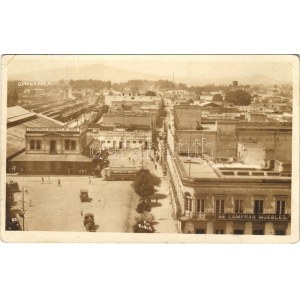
49	179
42	180
129	158
58	182
90	180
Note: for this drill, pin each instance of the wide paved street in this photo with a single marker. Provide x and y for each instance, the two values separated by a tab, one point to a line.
59	208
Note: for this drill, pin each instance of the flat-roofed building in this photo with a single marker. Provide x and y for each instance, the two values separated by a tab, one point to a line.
129	119
113	138
238	183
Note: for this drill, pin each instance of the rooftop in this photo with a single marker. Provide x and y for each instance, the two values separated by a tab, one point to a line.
16	134
198	169
17	113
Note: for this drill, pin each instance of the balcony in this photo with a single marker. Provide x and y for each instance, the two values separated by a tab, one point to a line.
197	216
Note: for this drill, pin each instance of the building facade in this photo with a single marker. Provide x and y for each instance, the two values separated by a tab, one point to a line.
122	139
241	184
54	151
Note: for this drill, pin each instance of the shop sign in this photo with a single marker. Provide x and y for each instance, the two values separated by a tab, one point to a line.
255	217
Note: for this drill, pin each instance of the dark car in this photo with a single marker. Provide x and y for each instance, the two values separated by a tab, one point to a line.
89	222
12	223
84	196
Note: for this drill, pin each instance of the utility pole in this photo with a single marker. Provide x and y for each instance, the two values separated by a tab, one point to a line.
23	208
189	156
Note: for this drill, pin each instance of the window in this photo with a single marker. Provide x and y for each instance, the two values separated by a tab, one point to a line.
38	145
200	206
73	145
238	206
188	204
220	203
280	205
32	144
238	231
108	142
219	231
200	231
67	145
258	206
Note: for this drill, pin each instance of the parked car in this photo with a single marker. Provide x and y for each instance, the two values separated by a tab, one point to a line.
12	223
89	222
84	196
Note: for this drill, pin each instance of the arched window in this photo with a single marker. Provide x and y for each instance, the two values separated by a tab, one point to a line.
188	202
32	144
73	145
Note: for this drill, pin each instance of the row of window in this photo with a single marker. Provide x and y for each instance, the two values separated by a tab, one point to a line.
70	145
127	142
241	231
238	205
36	145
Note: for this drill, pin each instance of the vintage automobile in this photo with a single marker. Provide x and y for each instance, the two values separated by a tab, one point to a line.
12	223
89	223
84	196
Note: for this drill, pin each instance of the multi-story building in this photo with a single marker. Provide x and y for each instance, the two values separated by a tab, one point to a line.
238	183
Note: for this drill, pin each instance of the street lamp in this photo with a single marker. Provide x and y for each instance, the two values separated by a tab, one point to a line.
202	148
23	207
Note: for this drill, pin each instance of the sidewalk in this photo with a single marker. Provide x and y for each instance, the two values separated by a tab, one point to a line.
163	210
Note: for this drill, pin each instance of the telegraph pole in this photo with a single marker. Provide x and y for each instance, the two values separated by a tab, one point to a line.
23	208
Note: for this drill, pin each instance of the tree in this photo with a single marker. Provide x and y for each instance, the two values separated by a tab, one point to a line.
145	183
105	109
217	97
239	98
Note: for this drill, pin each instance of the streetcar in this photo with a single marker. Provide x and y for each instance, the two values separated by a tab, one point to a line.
120	173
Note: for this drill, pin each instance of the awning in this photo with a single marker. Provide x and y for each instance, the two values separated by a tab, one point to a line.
52	157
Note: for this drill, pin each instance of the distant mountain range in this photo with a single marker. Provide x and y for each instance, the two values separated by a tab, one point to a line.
114	74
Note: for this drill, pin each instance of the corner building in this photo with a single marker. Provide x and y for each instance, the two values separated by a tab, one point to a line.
232	193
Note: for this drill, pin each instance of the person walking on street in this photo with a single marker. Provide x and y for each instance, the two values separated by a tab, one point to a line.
58	182
42	180
155	166
90	180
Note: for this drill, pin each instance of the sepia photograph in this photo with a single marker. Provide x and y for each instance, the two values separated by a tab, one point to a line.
150	148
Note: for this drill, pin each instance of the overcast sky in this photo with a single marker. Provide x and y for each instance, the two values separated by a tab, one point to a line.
184	66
